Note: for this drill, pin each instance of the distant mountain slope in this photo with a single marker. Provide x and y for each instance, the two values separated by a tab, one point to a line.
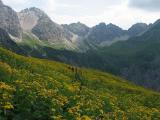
77	28
133	59
103	34
9	20
137	29
136	59
8	43
39	24
40	89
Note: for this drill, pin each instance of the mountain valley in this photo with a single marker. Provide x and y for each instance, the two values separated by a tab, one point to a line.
51	71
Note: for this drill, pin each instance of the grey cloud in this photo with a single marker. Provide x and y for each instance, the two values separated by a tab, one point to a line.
84	7
150	5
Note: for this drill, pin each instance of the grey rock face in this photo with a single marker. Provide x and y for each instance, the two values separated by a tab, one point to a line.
77	28
102	32
42	26
1	2
28	19
8	43
9	20
137	29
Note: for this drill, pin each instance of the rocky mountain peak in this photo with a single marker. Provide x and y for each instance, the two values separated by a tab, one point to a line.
78	28
112	26
1	3
105	34
137	29
30	17
9	20
139	25
157	23
33	10
102	24
40	24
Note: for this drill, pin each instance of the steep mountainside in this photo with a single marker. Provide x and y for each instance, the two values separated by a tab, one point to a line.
37	89
36	25
40	29
77	28
9	20
39	24
138	29
103	34
136	59
8	43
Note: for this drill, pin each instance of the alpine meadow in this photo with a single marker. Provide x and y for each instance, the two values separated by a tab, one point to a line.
52	68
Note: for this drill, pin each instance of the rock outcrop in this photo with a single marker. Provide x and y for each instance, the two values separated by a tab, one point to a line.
9	20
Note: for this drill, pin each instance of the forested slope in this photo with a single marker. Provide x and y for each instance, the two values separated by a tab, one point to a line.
34	89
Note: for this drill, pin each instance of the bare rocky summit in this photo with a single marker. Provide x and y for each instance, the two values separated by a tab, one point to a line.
36	21
39	23
9	20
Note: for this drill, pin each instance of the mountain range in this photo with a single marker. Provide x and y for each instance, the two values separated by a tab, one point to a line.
136	59
36	89
37	25
9	21
50	71
128	53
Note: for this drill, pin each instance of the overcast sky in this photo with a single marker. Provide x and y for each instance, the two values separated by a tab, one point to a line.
123	13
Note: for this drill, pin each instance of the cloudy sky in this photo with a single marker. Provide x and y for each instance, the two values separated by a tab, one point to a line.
120	12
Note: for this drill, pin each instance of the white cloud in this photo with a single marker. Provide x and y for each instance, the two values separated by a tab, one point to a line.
17	4
90	12
15	1
150	5
119	14
49	5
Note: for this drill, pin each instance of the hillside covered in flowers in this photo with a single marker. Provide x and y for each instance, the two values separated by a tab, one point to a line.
35	89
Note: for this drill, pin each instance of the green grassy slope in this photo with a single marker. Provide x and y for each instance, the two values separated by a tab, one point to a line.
34	89
31	41
6	42
137	59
